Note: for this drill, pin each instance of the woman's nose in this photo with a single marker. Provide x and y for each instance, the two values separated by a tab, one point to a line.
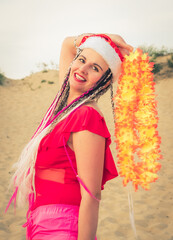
84	69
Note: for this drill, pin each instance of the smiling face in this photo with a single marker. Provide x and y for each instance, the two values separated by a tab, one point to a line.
86	70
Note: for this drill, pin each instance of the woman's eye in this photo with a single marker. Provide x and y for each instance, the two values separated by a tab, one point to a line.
81	60
95	69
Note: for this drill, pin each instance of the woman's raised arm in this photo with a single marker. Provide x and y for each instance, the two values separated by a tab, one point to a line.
68	52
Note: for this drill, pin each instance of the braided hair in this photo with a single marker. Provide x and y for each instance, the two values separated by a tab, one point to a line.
24	174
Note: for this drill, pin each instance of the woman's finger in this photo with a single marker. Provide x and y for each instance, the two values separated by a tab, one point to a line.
123	44
124	51
120	42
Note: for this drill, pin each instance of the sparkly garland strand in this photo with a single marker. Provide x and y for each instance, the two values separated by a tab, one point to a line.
136	122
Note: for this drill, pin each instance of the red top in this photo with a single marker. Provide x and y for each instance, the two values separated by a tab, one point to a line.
55	180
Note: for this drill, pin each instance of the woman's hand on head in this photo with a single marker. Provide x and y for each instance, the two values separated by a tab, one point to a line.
124	48
68	51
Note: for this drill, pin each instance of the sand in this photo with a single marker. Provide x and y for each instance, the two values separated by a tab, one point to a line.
23	104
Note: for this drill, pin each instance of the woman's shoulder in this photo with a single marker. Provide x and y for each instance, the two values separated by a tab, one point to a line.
90	108
87	117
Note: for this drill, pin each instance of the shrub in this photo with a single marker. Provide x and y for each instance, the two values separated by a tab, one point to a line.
44	67
42	81
2	79
155	52
170	62
156	68
50	82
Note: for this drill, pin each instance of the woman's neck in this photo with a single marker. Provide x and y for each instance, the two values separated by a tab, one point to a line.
72	96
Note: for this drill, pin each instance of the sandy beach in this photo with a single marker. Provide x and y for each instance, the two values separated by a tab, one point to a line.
23	104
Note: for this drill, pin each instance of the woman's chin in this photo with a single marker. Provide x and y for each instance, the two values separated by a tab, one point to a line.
77	87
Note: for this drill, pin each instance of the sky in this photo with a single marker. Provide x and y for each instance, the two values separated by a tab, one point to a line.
32	31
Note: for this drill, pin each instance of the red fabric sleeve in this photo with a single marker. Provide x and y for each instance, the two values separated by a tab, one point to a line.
87	118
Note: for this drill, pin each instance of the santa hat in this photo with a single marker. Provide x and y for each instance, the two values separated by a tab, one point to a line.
104	46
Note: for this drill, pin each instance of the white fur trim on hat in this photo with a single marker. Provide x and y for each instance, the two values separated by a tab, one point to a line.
102	47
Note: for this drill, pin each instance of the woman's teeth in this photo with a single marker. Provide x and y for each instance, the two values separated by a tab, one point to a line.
79	77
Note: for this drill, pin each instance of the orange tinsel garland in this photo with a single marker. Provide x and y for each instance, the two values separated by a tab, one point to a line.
136	122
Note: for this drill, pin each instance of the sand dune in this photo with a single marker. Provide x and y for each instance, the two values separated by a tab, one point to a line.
23	104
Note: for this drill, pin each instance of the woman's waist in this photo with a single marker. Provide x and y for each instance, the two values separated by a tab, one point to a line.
66	200
55	208
56	187
57	193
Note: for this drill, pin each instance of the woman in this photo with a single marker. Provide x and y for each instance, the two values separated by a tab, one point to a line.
67	162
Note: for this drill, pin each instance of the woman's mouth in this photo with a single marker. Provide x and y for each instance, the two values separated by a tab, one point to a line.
79	78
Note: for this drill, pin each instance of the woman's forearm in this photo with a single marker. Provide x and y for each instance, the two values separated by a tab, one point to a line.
88	219
119	41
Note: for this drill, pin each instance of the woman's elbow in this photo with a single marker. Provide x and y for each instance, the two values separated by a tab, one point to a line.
95	197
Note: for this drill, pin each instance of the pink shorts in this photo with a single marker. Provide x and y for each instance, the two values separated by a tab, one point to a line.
53	222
